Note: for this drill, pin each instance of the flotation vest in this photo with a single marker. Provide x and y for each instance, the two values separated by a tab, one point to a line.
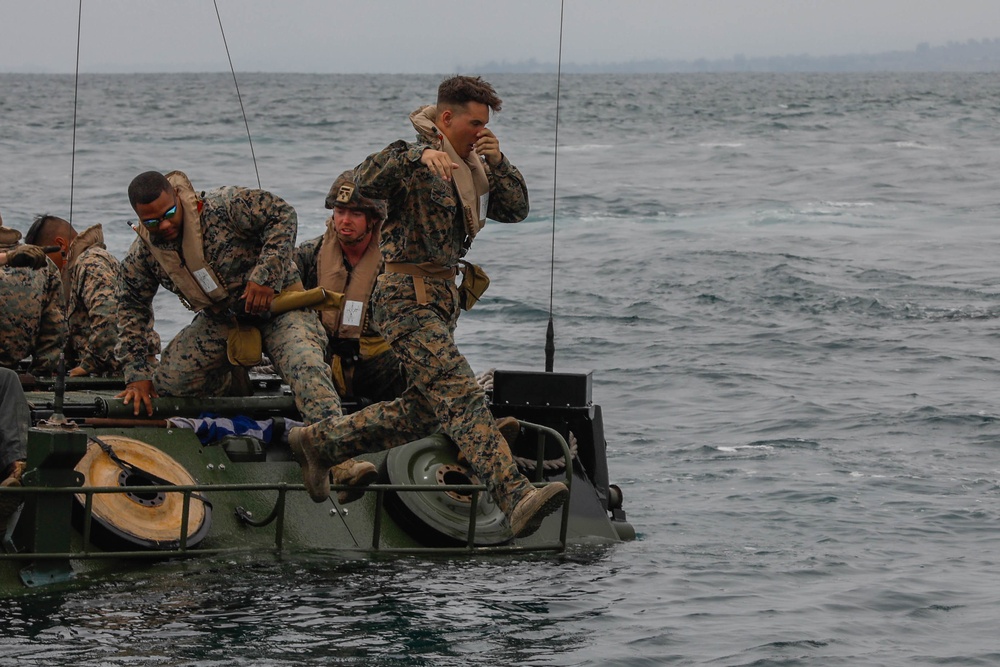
88	238
470	179
350	319
188	269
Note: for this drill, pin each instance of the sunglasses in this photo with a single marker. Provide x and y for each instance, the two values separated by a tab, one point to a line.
152	223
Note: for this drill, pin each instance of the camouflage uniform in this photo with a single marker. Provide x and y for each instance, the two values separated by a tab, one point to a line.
248	235
91	278
33	322
425	224
376	378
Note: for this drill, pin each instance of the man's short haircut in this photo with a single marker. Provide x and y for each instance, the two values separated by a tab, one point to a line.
45	228
460	90
147	188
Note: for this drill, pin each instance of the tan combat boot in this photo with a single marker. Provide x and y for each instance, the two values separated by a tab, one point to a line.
537	504
315	474
353	472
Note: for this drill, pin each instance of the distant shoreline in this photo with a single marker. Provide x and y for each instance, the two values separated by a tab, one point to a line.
969	56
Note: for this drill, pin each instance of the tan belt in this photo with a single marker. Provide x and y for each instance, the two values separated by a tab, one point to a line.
419	272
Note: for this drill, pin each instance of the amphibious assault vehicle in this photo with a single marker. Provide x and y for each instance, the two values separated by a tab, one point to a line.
105	491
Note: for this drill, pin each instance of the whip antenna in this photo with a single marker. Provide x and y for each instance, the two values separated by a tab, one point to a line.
550	338
76	92
238	96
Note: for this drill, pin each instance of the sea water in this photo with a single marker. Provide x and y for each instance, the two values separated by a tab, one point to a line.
787	291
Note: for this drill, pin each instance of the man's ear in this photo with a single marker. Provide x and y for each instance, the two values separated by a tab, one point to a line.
445	117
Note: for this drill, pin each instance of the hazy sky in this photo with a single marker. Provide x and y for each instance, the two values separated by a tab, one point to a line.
440	36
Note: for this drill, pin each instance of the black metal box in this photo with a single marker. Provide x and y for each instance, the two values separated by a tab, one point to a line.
539	388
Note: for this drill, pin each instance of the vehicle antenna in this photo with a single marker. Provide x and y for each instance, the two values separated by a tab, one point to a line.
76	91
550	343
240	97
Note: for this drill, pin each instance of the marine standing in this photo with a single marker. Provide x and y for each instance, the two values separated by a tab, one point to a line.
226	253
439	191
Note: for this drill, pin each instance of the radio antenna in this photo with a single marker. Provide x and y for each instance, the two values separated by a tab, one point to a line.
238	96
76	92
550	338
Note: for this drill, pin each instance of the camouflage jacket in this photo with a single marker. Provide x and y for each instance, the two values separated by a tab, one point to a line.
91	278
33	322
425	221
248	235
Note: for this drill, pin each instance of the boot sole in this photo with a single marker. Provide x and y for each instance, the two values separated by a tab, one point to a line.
548	507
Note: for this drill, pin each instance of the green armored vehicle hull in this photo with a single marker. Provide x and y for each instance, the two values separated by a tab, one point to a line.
105	492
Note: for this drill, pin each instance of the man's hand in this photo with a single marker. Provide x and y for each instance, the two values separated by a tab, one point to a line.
77	372
438	162
258	298
140	392
488	146
30	256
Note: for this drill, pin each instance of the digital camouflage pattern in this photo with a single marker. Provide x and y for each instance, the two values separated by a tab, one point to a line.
33	322
91	276
91	309
425	224
248	235
425	219
195	362
443	393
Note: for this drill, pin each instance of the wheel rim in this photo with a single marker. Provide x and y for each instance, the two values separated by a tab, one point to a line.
433	461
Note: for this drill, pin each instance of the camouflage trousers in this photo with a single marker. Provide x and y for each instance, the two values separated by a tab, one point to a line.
442	394
14	419
196	363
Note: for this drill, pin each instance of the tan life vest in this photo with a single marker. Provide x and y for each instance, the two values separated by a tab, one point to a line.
470	179
349	320
88	238
200	286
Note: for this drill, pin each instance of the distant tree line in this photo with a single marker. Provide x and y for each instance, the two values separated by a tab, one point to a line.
970	56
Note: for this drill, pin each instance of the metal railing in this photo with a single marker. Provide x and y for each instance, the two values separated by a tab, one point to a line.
89	551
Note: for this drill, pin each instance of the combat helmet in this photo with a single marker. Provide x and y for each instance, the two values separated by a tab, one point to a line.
344	193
